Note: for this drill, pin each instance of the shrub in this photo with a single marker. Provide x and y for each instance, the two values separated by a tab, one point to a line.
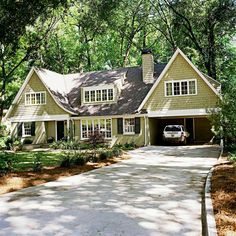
65	145
37	166
96	138
27	141
80	159
8	142
50	140
116	151
6	164
66	162
103	155
17	145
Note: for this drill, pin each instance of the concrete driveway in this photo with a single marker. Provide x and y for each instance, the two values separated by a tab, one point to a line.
155	193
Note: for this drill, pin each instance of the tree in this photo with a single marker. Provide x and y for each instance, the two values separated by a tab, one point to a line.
17	39
204	26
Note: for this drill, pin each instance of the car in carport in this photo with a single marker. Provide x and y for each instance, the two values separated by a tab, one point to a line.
175	133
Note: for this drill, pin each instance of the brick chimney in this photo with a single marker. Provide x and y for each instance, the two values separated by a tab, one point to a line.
147	66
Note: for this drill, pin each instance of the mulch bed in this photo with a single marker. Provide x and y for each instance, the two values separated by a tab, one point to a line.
224	199
18	180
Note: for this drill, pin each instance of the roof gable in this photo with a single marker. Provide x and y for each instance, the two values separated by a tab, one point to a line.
21	90
173	58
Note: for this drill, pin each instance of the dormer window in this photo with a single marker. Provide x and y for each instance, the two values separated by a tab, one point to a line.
98	94
35	98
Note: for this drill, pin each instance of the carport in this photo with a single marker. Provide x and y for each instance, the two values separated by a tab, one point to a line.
198	127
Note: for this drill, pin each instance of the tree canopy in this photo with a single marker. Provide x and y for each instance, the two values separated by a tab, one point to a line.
83	35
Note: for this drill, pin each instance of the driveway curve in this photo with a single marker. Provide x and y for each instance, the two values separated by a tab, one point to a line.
155	193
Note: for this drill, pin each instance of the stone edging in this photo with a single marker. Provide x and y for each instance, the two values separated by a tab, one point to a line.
208	213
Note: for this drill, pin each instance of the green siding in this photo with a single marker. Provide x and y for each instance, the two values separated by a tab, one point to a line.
181	70
35	85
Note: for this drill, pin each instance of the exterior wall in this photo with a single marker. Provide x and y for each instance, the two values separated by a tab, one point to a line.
51	129
40	132
181	70
50	108
77	134
138	139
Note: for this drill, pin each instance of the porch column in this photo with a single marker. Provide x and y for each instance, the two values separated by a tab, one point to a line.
68	128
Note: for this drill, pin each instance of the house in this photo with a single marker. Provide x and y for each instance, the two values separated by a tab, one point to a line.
131	104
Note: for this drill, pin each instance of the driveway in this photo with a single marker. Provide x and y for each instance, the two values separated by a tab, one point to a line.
155	193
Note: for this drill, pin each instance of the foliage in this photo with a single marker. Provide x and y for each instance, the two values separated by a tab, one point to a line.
16	145
233	156
65	145
27	141
224	122
50	139
126	146
37	166
96	138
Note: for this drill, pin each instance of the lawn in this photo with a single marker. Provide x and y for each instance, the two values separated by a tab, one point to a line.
23	161
23	176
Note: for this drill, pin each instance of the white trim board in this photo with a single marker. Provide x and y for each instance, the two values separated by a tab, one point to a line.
178	51
186	112
39	118
17	97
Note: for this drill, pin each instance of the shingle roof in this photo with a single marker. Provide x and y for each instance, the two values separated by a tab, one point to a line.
67	89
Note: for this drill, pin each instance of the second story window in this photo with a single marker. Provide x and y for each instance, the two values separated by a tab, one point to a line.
35	98
180	87
97	95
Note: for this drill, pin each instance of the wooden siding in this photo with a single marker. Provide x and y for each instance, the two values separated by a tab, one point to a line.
181	70
50	108
138	139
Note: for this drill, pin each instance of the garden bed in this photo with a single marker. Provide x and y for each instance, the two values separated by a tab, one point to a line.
23	179
224	199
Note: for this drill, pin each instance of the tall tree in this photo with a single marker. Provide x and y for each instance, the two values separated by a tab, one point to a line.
15	18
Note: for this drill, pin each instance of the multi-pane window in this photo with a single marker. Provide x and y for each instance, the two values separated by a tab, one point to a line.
90	126
98	95
110	94
168	89
181	87
86	96
92	95
184	87
26	131
38	98
192	87
129	124
176	88
104	95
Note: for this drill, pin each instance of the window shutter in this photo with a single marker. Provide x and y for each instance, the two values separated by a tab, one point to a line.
137	125
19	129
33	129
120	125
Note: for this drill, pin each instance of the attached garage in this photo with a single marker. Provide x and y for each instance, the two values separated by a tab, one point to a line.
198	127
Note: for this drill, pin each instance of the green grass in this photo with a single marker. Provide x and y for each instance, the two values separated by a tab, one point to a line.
233	155
22	161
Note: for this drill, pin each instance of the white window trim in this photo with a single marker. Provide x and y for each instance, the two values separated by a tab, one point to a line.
23	130
95	89
35	98
92	119
180	95
128	133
